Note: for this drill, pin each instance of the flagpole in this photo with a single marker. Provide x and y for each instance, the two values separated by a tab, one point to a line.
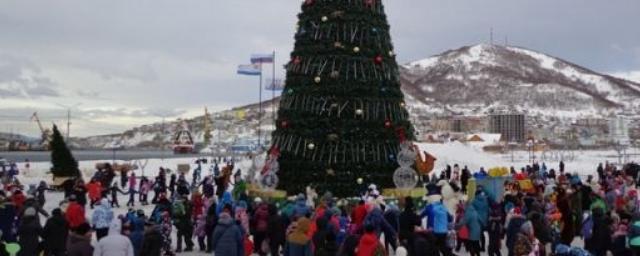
273	90
260	109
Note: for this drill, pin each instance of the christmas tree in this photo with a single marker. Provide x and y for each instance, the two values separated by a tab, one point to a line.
64	164
342	114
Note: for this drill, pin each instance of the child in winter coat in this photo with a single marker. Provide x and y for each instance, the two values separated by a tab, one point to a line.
200	232
143	189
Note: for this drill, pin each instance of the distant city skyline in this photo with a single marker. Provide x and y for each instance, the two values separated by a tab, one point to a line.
133	63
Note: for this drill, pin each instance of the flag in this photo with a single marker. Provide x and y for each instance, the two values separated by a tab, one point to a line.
274	85
250	70
261	58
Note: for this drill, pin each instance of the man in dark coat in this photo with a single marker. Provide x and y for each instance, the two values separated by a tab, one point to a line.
55	233
409	220
152	242
29	233
79	242
275	230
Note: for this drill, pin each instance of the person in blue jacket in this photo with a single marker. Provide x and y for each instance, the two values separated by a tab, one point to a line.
474	223
438	220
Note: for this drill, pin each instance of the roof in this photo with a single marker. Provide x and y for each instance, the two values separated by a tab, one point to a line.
489	138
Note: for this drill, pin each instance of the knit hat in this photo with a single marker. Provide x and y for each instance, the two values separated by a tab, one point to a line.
30	212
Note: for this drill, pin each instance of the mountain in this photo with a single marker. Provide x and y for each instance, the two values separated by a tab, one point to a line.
471	80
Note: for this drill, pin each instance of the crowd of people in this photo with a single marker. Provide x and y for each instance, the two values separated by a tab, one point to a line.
531	211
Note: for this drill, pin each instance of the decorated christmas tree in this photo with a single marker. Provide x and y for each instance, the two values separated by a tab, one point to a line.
342	114
64	164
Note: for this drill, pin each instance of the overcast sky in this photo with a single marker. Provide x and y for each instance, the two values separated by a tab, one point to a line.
128	63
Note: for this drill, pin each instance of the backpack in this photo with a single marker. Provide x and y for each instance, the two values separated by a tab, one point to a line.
178	209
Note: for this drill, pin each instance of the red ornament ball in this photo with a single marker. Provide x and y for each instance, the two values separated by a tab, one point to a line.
284	124
369	3
309	2
297	60
378	60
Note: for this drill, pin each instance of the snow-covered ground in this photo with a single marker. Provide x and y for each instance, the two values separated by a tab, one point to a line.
583	162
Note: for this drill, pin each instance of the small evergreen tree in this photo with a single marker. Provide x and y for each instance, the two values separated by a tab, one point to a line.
64	164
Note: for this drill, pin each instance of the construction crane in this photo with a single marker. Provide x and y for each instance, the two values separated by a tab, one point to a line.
46	133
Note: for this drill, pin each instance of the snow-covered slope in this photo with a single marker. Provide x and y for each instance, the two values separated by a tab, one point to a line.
476	79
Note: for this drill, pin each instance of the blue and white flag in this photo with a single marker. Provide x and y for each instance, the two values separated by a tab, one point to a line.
261	58
274	85
250	70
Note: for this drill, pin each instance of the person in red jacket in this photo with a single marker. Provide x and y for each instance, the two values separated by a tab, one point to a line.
94	188
357	216
75	213
198	205
369	243
18	199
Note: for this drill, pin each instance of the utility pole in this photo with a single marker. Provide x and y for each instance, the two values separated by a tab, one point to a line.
69	117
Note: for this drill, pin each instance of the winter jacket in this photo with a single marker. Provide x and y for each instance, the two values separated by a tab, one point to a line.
298	244
481	204
438	218
28	235
75	215
95	190
301	209
114	244
7	221
152	243
275	229
473	223
368	244
408	221
424	244
226	199
78	245
102	215
55	232
513	229
261	218
227	237
324	240
358	215
137	232
197	205
376	218
201	226
392	216
242	216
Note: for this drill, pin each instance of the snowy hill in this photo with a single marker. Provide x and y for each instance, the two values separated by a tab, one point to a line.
475	79
472	80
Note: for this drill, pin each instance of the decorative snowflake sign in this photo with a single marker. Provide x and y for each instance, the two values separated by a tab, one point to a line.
405	177
268	179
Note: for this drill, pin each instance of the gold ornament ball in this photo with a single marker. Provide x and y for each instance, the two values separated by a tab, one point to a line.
359	180
325	18
331	172
359	112
402	104
311	146
317	79
356	49
391	54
